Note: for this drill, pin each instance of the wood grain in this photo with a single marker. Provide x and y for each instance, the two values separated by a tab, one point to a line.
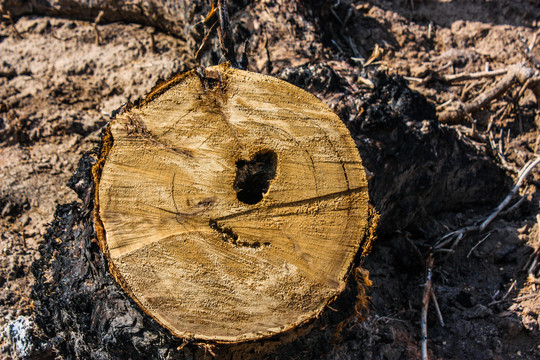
187	247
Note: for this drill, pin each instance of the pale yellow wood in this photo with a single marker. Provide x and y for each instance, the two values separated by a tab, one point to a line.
200	261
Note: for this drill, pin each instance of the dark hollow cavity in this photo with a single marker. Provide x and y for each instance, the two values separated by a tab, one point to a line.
253	176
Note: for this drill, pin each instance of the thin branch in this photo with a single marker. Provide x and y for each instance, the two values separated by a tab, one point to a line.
430	30
525	297
523	175
478	244
413	79
514	283
453	237
366	82
533	41
437	309
225	34
443	105
533	265
473	76
96	23
204	42
498	115
9	17
516	205
425	305
537	142
456	236
497	149
153	47
375	54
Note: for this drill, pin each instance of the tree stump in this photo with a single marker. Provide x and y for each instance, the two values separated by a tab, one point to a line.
418	169
230	205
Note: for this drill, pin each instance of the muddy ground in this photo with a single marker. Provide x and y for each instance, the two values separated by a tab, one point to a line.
58	88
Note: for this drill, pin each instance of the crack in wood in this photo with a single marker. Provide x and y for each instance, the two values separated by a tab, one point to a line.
297	202
228	235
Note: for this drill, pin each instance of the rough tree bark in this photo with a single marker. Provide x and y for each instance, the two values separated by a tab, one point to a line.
416	169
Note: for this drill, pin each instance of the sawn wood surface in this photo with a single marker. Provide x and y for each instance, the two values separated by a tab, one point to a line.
202	260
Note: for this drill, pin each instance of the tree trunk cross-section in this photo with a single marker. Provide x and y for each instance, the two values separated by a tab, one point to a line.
230	205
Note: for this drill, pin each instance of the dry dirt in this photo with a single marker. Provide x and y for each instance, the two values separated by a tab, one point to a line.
58	89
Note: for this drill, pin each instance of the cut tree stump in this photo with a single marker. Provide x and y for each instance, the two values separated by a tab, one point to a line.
230	205
417	168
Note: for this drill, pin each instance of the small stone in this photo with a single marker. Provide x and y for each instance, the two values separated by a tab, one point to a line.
43	26
18	334
8	209
24	219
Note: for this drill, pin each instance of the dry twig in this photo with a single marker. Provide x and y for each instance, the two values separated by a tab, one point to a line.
537	142
437	308
218	17
525	297
153	47
455	237
514	74
204	42
533	42
425	305
366	82
96	23
8	16
473	76
514	283
500	154
478	244
430	30
375	54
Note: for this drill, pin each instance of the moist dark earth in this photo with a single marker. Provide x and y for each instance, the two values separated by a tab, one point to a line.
59	87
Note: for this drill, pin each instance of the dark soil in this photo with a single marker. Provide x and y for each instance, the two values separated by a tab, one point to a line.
58	88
